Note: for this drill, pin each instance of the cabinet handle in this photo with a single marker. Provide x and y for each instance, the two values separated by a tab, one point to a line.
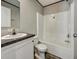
75	35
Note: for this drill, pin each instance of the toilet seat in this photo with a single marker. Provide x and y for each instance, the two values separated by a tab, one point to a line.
41	47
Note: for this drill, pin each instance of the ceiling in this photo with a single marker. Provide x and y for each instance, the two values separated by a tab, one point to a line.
42	2
48	2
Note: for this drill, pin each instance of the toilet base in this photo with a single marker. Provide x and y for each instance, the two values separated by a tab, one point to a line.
42	55
41	49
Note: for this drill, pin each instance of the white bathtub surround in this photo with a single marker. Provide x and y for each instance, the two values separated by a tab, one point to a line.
56	29
58	50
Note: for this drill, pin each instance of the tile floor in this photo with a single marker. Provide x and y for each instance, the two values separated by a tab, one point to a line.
50	56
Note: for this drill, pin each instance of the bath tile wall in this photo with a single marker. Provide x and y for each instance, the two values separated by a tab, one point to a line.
55	30
56	23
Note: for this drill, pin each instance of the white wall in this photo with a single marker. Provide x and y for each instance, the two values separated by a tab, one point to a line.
29	9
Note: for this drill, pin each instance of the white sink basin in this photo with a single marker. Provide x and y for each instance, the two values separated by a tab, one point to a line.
16	36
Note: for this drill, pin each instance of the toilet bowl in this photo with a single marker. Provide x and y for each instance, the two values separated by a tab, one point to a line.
41	49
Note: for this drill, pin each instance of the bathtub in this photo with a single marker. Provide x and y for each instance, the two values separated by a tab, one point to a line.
58	50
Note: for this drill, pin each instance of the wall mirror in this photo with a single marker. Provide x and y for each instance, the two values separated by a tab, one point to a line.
10	15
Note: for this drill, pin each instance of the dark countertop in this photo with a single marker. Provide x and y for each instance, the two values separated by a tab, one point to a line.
6	42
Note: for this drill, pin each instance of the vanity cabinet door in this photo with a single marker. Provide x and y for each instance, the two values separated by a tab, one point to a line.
20	50
25	51
8	53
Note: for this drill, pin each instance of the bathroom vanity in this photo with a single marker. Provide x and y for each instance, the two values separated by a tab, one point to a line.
21	48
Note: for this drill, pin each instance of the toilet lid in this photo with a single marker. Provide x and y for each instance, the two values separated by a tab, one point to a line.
41	46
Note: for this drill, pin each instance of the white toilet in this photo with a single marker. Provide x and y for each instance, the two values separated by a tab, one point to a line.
41	49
